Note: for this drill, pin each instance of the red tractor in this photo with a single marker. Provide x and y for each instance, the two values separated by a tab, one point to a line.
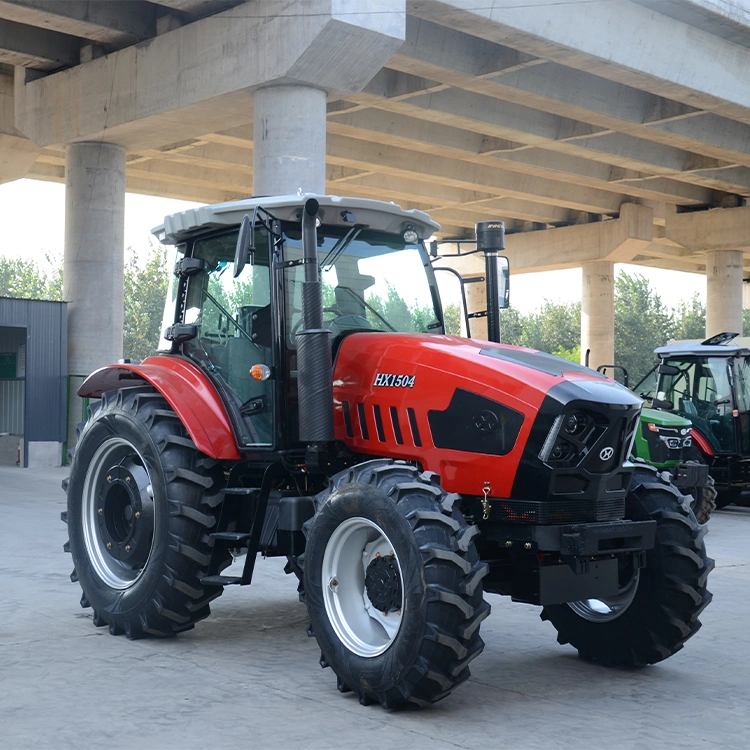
307	404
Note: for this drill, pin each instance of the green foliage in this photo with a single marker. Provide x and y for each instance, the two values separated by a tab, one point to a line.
642	322
24	279
690	320
452	315
145	292
553	327
572	355
399	315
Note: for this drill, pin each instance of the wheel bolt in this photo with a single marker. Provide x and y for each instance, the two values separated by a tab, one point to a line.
100	510
385	614
509	543
527	545
127	479
138	514
333	584
127	548
109	545
109	477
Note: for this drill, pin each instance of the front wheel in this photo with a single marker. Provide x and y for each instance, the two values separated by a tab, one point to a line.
657	607
141	502
393	585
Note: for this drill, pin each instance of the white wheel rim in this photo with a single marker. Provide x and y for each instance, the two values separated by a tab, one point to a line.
606	610
113	572
353	546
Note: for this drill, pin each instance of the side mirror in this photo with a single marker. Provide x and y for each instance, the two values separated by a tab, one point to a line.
668	370
658	403
244	252
503	280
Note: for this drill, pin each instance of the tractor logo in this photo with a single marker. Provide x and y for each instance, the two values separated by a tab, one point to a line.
606	453
486	421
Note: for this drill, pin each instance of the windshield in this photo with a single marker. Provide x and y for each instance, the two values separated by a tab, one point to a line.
371	281
702	392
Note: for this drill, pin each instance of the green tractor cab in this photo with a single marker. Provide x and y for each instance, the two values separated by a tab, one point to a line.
709	383
664	439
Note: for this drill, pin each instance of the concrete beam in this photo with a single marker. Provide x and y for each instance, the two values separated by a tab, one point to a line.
115	22
716	229
36	48
617	240
602	37
352	153
17	154
141	97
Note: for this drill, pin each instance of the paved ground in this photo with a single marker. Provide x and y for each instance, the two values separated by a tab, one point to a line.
248	676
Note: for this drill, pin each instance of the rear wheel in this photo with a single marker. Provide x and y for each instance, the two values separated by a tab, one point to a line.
657	607
704	500
141	502
393	585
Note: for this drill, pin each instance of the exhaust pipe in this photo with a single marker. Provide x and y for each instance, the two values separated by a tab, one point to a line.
491	240
314	360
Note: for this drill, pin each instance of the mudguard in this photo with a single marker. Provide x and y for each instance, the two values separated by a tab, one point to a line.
187	390
701	442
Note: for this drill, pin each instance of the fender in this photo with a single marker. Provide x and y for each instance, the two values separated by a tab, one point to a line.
701	442
187	390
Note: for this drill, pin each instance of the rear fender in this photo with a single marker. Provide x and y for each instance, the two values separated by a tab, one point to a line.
187	390
701	442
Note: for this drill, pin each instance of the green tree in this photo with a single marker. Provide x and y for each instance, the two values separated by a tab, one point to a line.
145	292
689	319
512	325
642	323
24	279
452	316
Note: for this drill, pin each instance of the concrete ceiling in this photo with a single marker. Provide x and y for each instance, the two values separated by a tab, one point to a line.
549	118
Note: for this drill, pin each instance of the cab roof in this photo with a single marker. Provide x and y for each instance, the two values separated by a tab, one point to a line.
716	346
334	211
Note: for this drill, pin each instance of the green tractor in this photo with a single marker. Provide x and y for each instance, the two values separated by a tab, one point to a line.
664	439
709	383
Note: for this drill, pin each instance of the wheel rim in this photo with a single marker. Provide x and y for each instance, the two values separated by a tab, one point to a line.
609	608
118	513
361	572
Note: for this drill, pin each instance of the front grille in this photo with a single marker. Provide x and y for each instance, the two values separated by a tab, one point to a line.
558	511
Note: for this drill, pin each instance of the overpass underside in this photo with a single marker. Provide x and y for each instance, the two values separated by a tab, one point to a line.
599	131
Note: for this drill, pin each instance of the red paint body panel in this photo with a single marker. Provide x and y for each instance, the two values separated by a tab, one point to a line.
440	364
701	442
187	390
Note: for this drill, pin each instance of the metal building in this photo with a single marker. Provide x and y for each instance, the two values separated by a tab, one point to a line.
33	372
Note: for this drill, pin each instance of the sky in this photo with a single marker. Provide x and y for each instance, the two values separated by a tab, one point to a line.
24	234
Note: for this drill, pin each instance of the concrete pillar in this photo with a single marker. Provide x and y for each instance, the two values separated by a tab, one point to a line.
289	142
94	254
598	313
723	292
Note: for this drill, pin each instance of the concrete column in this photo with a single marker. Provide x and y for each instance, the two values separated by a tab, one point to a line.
598	313
723	292
94	254
289	142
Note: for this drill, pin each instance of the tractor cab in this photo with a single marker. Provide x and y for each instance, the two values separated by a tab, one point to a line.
709	383
235	316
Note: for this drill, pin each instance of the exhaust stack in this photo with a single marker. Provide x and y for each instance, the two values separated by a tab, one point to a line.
314	360
491	240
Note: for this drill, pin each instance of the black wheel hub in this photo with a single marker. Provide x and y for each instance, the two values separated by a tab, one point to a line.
383	584
125	513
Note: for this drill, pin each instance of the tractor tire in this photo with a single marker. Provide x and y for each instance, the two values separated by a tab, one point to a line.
704	500
393	585
141	502
658	606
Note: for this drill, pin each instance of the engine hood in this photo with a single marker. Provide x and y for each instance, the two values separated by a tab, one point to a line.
450	403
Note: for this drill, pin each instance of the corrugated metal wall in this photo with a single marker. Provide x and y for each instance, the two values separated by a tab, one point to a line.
46	331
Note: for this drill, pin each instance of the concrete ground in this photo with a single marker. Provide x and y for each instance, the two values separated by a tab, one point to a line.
248	676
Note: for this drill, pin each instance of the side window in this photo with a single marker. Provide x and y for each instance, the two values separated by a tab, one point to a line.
233	318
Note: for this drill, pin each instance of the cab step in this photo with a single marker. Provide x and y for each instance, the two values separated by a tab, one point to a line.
221	580
239	537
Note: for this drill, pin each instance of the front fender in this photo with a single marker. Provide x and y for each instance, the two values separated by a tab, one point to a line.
187	390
